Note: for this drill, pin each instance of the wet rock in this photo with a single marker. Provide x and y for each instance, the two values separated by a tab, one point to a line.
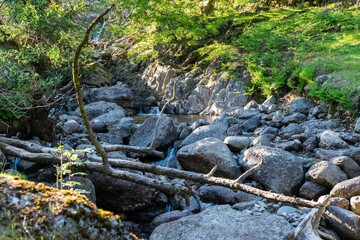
237	143
282	171
326	174
311	190
223	222
347	189
144	134
355	204
222	195
349	166
331	140
350	222
301	105
203	155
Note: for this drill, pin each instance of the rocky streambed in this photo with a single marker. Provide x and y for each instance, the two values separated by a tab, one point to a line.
307	153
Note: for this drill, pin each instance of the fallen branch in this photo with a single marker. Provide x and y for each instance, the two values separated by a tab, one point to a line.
50	158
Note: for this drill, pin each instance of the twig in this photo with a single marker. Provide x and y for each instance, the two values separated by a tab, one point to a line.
250	172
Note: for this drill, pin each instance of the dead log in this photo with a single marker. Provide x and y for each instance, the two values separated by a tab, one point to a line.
176	173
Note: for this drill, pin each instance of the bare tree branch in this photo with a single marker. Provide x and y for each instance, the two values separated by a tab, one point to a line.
79	94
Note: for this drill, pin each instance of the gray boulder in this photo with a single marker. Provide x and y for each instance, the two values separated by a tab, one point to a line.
169	217
282	171
290	130
237	143
326	174
97	75
301	105
251	124
357	125
85	184
327	154
120	94
212	130
294	118
96	109
203	155
347	189
349	166
144	134
331	140
72	126
105	121
311	190
245	114
120	195
223	222
349	228
223	195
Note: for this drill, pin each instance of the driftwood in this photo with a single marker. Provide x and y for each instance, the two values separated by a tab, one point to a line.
50	157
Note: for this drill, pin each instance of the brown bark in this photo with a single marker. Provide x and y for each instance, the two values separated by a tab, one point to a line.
79	94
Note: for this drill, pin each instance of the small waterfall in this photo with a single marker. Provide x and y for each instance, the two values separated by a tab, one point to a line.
149	111
99	33
202	204
170	159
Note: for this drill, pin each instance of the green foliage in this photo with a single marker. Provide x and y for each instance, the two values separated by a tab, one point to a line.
37	41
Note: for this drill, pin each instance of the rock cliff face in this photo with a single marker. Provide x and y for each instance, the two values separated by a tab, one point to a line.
197	91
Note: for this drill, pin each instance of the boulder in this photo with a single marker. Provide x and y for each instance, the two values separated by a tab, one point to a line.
121	195
301	105
120	94
357	125
169	217
290	130
294	118
345	223
212	130
347	189
223	195
85	185
105	121
331	140
72	126
203	155
96	109
291	145
355	204
97	75
326	174
246	114
223	222
327	154
282	171
237	143
166	134
251	124
317	126
349	166
311	190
